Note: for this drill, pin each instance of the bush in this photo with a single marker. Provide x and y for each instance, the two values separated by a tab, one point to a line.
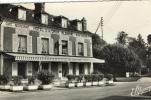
79	78
100	77
109	76
95	77
88	78
70	77
3	80
31	80
45	77
17	80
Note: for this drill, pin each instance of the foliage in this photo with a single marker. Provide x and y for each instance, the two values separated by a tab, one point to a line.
109	76
79	78
45	77
121	37
120	59
138	46
100	77
70	77
17	80
97	44
88	78
149	38
95	77
31	80
3	80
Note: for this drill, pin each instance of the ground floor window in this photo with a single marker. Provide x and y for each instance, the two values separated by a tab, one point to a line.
81	68
45	66
22	69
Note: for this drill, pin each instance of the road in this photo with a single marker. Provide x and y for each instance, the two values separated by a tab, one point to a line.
119	92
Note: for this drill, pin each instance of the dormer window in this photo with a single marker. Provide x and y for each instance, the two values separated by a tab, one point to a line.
79	26
44	19
64	23
21	14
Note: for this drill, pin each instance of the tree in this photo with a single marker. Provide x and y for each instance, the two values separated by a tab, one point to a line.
138	46
120	59
121	37
97	44
149	39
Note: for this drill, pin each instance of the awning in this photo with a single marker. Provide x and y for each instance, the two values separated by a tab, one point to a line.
31	57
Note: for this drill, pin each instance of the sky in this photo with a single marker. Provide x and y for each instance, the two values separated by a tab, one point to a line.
133	17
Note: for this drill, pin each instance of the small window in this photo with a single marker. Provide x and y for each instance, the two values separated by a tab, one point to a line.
22	44
56	47
80	49
64	47
45	46
21	14
79	26
64	23
44	19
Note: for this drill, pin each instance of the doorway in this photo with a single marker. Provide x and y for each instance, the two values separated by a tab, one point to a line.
22	69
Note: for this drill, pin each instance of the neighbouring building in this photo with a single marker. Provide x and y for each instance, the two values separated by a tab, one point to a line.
34	40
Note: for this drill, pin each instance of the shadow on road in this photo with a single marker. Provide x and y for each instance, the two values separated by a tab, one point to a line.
125	98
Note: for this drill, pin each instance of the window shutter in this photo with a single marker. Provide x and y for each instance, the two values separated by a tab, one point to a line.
15	43
76	47
29	44
85	49
51	46
70	47
39	47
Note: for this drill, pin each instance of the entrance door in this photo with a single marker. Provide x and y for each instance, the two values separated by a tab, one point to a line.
22	69
65	69
45	66
54	69
81	68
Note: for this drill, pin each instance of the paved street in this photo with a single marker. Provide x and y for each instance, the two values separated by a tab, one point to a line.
119	92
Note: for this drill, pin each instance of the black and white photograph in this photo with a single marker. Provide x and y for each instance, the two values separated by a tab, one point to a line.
75	50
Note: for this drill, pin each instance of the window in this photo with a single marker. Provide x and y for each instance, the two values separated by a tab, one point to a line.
45	45
21	14
79	26
22	43
64	47
80	49
56	47
44	19
64	23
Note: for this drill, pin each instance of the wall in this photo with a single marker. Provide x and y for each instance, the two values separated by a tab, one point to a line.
35	33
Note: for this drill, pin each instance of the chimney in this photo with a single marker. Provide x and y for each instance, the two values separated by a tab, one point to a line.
39	8
84	24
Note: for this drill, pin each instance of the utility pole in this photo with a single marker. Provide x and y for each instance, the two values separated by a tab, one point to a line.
102	27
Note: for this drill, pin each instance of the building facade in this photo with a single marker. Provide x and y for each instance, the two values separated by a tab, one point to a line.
33	40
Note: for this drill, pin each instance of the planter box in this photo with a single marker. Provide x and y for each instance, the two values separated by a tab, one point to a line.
70	85
94	83
110	82
88	84
46	87
79	84
16	88
100	83
31	87
5	87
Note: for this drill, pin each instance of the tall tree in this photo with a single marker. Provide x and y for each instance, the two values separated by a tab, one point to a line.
121	37
138	46
97	44
120	59
149	39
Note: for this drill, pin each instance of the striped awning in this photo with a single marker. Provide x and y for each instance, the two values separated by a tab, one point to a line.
31	57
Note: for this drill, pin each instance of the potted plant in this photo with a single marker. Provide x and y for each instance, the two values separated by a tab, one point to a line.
71	81
16	86
109	79
79	80
95	79
88	80
31	84
100	79
4	82
46	78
